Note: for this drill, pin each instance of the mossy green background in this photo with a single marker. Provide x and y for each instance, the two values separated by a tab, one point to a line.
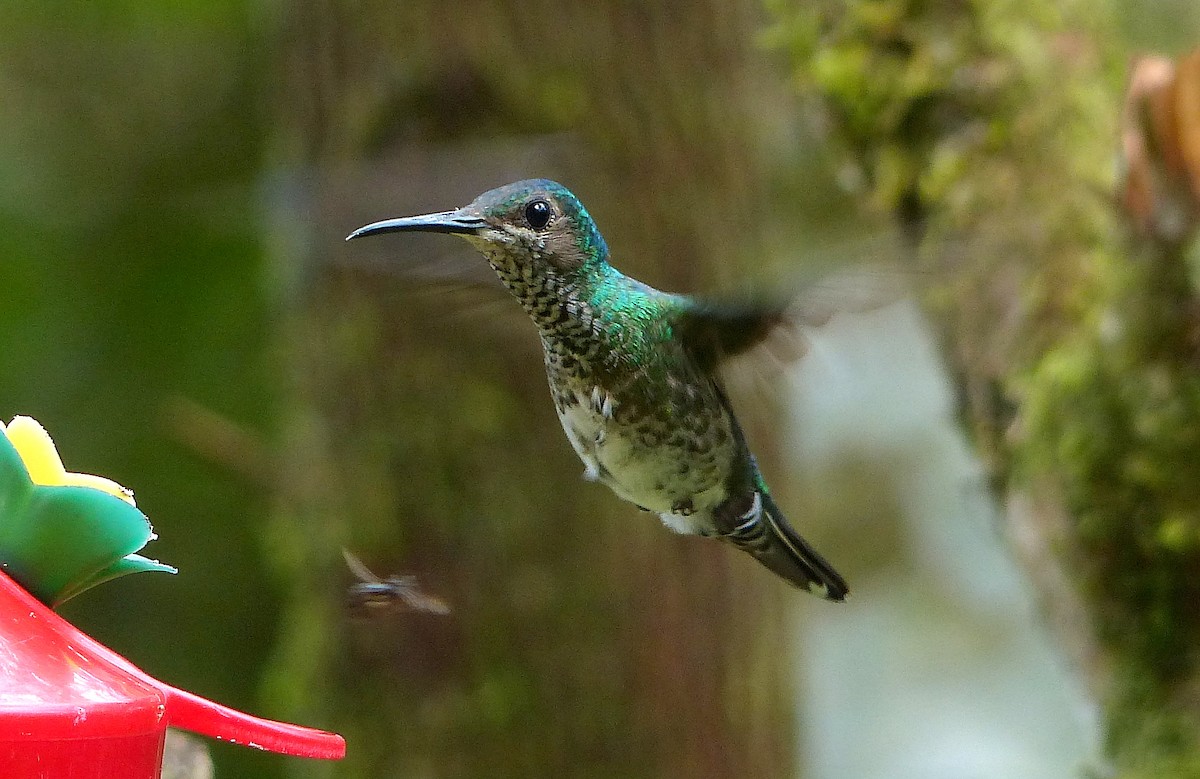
131	147
988	131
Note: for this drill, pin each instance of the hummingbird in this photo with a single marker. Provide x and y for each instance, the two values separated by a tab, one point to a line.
633	373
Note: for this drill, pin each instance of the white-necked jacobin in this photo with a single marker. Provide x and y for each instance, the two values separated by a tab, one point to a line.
633	373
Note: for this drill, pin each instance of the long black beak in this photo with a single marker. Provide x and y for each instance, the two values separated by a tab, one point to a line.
455	222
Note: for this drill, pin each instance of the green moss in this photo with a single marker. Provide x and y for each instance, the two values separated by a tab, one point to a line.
1116	419
986	128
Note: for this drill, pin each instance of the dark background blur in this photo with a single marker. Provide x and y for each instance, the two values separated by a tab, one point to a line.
175	180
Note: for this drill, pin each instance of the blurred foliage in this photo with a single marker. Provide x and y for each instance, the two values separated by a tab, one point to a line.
130	148
987	130
1114	414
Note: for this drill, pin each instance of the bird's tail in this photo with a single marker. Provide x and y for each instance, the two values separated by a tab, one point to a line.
762	531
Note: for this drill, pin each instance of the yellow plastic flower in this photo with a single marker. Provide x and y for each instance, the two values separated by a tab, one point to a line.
45	467
63	532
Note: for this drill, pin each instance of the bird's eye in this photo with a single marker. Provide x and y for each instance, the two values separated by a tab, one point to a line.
537	214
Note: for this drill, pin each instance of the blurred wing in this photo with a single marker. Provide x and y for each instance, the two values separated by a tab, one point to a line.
359	568
453	267
461	285
776	329
857	290
712	332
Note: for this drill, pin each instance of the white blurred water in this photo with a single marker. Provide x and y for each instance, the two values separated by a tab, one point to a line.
938	667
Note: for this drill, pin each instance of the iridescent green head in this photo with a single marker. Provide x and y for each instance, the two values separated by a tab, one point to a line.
534	220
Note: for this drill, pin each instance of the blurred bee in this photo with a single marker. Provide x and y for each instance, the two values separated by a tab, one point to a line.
371	593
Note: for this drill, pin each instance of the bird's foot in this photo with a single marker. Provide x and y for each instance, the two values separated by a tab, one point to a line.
684	507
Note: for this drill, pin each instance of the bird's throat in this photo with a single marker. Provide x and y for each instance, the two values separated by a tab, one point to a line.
556	299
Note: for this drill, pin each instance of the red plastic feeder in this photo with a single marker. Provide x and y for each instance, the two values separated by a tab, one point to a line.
71	708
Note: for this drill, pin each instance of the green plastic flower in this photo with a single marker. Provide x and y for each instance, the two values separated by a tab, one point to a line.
63	532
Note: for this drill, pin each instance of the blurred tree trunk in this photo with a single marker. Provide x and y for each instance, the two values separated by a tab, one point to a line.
585	639
987	131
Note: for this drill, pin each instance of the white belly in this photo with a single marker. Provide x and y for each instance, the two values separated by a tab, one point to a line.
648	477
